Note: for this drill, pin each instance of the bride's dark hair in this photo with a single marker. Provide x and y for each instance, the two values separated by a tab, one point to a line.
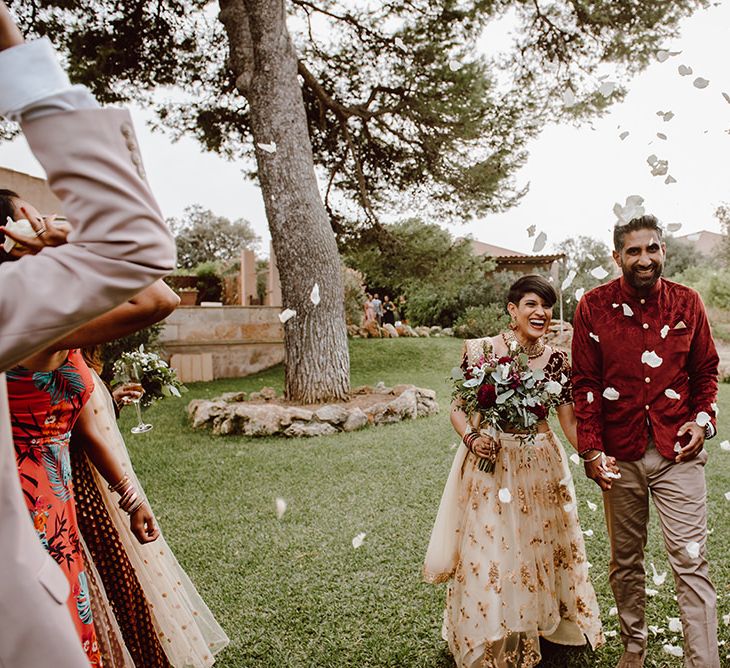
532	283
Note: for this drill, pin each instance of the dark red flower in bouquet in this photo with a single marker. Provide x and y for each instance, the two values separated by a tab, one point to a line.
486	396
539	411
504	360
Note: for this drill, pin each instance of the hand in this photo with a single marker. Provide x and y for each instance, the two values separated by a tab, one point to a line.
597	469
127	393
696	441
143	526
48	232
485	447
9	33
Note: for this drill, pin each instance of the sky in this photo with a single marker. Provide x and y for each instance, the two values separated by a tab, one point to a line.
576	174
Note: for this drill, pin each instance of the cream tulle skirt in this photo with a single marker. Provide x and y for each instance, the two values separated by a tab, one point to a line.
510	546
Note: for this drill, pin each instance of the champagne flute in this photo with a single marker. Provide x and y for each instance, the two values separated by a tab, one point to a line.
134	375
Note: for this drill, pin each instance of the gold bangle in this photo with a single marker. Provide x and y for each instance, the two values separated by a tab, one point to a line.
592	459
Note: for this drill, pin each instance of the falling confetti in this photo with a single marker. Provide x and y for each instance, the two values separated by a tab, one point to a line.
684	70
670	179
594	337
726	620
589	397
628	311
725	445
669	393
592	506
693	549
269	148
357	540
610	634
579	294
633	208
314	295
287	314
531	231
539	242
664	331
677	447
650	358
569	98
699	82
575	459
659	167
568	280
612	612
650	592
667	116
280	507
607	87
702	419
611	394
661	135
658	578
454	65
656	630
727	97
615	305
569	507
505	496
674	227
588	533
623	135
662	55
673	650
599	272
727	496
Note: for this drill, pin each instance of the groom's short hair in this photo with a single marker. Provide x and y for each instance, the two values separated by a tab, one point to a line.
647	222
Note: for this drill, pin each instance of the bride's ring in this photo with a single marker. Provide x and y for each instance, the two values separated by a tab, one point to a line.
41	232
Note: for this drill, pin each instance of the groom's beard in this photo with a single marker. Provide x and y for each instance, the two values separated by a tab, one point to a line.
643	280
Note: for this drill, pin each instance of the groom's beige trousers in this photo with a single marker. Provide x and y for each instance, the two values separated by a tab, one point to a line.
679	495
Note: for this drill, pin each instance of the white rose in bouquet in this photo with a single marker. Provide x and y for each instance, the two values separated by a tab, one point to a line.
21	226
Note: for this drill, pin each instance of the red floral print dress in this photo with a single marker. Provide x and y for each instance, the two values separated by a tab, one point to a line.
44	406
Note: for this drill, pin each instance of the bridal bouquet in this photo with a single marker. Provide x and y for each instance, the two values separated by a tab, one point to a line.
504	391
154	374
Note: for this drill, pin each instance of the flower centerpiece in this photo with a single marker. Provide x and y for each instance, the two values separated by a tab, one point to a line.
155	375
505	393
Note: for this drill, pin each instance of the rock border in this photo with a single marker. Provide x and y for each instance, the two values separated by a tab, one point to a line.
256	414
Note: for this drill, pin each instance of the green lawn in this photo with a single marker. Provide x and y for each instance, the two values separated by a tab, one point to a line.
293	592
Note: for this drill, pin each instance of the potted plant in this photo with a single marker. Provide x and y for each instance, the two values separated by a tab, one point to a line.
188	296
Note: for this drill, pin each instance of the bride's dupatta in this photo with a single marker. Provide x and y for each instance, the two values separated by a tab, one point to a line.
185	628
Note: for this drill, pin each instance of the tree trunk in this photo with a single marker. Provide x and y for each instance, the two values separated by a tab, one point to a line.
264	62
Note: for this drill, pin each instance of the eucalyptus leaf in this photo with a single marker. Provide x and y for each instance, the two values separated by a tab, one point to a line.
457	373
538	374
523	358
501	398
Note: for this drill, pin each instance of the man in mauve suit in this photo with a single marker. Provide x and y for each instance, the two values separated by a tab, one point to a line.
118	246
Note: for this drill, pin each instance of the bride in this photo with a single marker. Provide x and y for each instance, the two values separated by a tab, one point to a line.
508	542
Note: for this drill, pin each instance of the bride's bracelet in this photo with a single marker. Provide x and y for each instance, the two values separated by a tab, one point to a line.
129	497
469	438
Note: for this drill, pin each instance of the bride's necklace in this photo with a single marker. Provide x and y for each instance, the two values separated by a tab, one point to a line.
532	350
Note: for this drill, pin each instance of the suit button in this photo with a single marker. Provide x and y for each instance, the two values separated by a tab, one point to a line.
127	130
136	159
647	380
643	301
645	325
646	407
131	145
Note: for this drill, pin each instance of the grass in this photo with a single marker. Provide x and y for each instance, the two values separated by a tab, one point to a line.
293	592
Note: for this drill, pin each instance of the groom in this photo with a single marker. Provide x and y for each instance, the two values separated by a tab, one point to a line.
645	383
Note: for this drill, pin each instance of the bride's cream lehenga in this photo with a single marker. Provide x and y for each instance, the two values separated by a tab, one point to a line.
147	612
516	567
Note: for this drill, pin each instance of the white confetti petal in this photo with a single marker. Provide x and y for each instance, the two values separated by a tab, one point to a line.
673	650
658	578
611	394
505	496
594	337
715	408
669	393
674	227
569	507
684	70
314	295
662	55
670	179
727	496
727	97
725	445
613	611
579	294
615	305
650	592
454	65
664	331
628	311
652	159
702	419
539	242
650	358
588	533
589	397
623	135
269	148
677	447
668	116
693	549
287	314
656	630
531	231
726	620
599	272
575	459
699	82
568	280
607	87
280	507
610	634
357	540
569	98
592	506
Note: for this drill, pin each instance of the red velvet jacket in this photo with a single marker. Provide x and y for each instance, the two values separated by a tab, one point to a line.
613	328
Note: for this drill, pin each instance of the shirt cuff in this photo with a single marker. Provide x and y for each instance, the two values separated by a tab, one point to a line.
710	431
29	72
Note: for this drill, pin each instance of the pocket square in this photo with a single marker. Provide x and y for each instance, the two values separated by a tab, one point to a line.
680	325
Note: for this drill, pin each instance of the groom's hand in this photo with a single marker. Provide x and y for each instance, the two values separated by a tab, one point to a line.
596	469
696	441
9	33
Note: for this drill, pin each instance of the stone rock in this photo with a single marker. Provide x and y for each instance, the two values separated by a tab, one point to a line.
353	330
201	411
382	388
435	330
259	420
423	331
233	397
371	329
332	413
410	331
399	389
357	419
427	404
310	429
447	331
391	330
403	407
299	413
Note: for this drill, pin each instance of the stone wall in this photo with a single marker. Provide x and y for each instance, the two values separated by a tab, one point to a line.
231	341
